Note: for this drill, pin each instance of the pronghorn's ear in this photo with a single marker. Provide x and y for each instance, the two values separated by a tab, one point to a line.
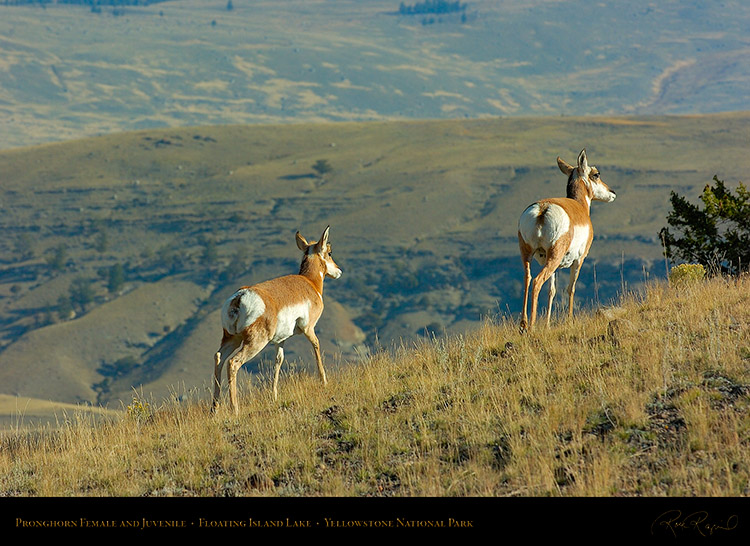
301	242
564	167
323	242
583	163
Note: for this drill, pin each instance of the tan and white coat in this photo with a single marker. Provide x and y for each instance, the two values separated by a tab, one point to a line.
272	312
557	232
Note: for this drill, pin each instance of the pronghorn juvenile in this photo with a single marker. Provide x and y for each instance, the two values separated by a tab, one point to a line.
558	233
273	311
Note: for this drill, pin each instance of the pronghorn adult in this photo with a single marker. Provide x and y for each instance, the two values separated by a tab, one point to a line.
558	233
272	312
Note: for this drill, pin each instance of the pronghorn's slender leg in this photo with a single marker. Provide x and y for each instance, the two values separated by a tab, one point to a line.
310	335
526	283
228	349
536	287
575	268
554	257
526	254
552	292
277	368
247	351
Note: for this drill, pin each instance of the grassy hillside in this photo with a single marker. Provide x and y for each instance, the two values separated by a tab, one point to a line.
423	221
67	72
646	398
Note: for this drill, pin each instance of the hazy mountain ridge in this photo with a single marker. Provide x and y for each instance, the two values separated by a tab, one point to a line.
68	73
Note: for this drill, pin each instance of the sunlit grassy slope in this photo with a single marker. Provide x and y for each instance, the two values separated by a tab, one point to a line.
423	221
647	397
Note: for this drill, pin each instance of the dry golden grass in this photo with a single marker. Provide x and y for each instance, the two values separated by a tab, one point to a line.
649	398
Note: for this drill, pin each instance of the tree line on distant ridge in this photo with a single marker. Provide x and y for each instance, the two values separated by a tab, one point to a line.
432	6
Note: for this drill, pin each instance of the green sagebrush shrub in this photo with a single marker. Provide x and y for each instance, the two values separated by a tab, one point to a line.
686	274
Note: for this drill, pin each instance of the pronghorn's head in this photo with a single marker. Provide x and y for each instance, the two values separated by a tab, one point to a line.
588	177
320	250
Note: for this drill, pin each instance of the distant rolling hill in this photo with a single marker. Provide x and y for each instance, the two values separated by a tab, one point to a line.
69	72
423	221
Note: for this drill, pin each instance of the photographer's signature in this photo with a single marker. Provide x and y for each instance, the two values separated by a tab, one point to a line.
674	522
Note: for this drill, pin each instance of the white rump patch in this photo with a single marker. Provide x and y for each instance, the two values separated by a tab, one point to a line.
543	235
241	310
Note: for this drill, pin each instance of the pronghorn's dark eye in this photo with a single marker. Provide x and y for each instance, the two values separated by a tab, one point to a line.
595	175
